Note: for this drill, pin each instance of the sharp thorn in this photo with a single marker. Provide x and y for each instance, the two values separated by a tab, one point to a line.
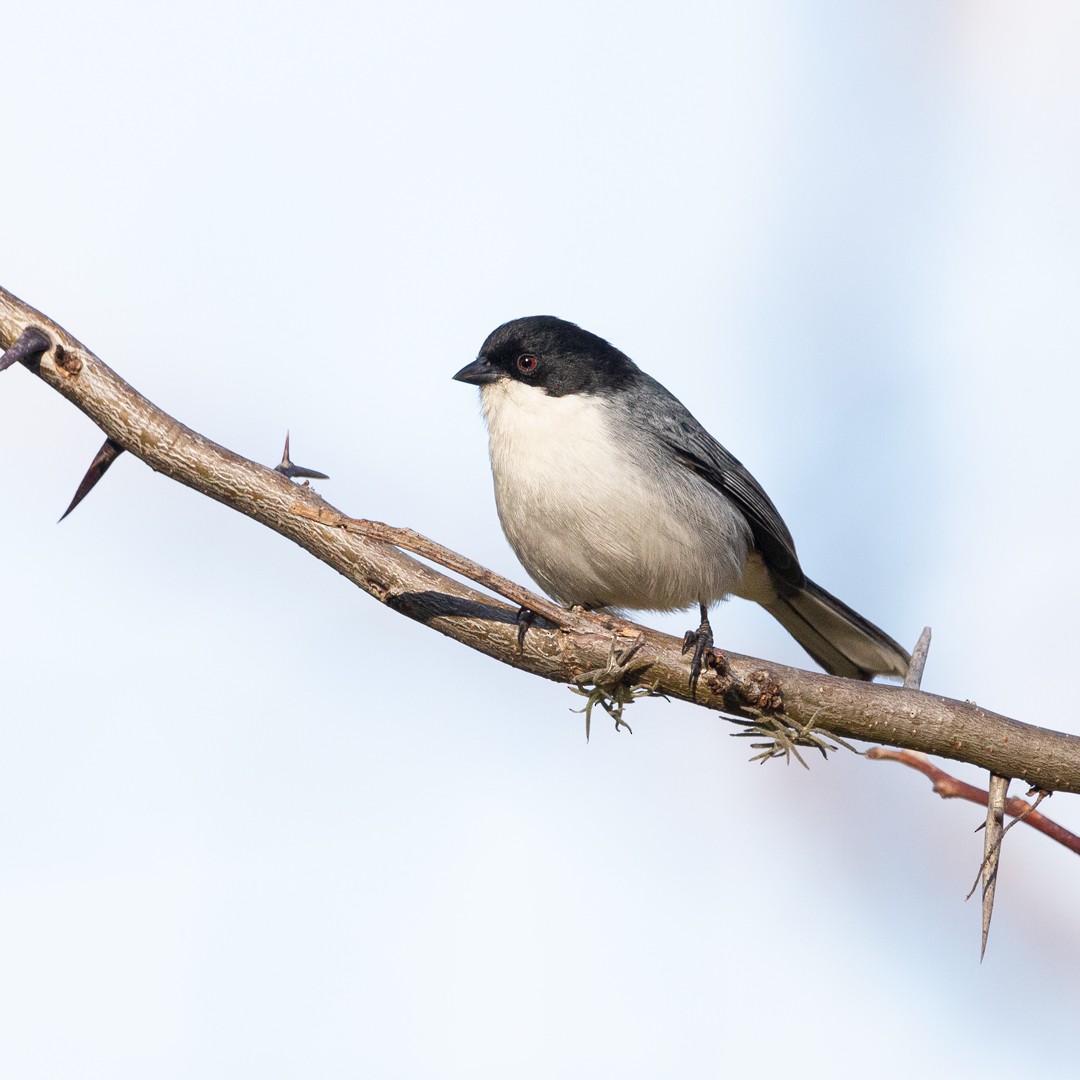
287	468
108	453
995	831
29	345
913	679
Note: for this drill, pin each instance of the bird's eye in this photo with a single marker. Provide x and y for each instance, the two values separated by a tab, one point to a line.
526	363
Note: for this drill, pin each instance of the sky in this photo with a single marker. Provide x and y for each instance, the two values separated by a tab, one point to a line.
252	822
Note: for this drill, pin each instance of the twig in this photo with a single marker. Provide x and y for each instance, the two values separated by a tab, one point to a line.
408	540
949	787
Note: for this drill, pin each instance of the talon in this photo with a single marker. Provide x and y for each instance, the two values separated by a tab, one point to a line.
701	641
525	619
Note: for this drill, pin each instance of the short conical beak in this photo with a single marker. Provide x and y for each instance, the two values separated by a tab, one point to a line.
479	372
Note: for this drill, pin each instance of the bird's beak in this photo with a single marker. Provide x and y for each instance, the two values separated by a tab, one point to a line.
479	372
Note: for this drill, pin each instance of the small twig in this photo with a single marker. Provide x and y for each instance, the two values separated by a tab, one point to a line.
1031	808
408	540
949	787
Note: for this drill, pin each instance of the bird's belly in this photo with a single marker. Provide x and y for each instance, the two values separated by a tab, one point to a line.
608	535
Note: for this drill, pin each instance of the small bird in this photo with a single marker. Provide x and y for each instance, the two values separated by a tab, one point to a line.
613	496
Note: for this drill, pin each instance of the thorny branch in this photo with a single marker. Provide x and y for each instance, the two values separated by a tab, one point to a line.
561	645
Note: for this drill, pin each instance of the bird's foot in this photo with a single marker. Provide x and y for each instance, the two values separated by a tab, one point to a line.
525	619
701	641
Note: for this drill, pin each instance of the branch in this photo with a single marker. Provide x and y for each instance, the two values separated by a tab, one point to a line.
949	787
568	643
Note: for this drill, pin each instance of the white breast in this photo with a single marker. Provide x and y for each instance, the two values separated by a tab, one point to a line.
587	517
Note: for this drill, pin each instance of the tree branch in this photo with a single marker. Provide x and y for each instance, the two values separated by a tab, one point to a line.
949	787
570	642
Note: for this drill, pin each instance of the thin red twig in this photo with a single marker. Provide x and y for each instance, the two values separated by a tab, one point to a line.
949	787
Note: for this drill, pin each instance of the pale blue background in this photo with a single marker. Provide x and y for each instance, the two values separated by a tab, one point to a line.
252	823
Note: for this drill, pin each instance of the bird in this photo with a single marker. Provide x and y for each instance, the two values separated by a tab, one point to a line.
614	497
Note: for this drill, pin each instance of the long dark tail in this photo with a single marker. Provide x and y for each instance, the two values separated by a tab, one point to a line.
839	639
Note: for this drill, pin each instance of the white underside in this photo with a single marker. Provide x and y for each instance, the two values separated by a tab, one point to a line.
594	521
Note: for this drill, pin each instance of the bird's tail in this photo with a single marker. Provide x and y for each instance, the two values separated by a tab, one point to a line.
839	639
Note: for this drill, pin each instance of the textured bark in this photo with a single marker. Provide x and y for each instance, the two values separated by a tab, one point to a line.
561	645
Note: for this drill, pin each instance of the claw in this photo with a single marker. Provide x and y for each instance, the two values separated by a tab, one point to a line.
701	641
525	619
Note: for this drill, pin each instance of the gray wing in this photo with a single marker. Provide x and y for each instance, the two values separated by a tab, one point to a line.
695	449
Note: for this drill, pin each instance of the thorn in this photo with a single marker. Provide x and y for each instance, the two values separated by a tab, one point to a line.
913	679
995	821
287	468
108	453
29	345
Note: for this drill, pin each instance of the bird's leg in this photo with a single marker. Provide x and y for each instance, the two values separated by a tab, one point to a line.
701	641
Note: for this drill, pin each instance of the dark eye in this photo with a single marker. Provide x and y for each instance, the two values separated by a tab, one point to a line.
526	363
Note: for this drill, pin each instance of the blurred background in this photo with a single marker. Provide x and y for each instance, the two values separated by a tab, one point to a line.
251	822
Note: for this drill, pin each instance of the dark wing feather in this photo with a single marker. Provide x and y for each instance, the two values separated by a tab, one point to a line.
693	447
